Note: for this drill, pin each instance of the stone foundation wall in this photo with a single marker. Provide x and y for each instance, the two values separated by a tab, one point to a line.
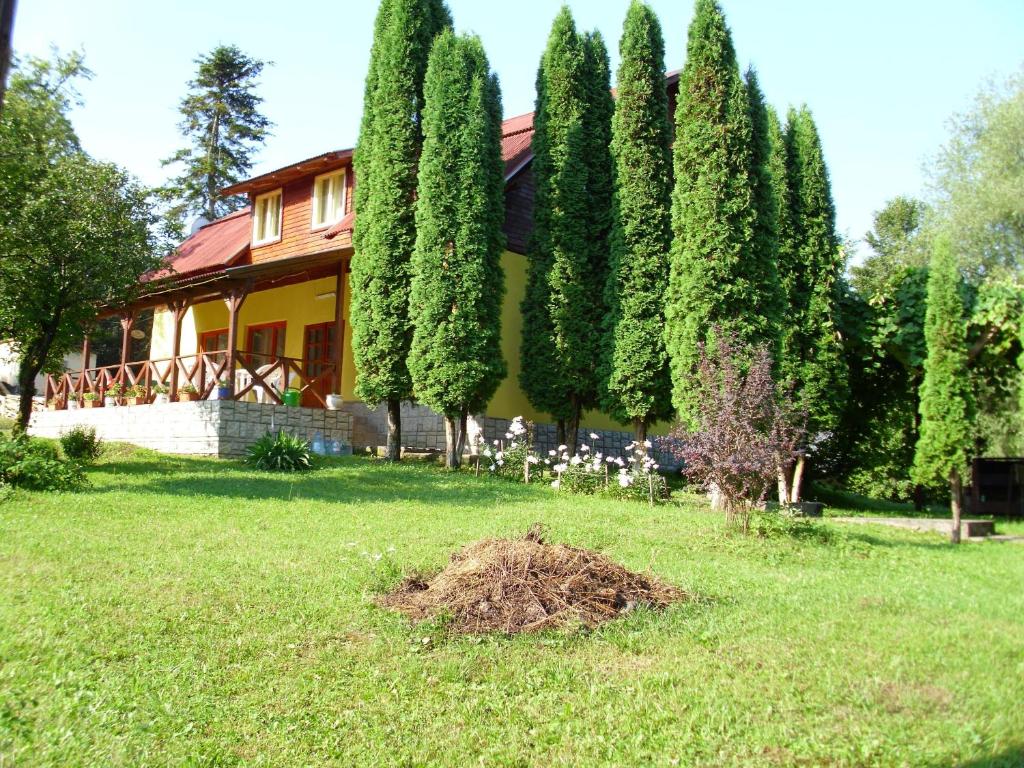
222	428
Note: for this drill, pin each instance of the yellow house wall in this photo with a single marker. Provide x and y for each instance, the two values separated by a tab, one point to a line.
298	306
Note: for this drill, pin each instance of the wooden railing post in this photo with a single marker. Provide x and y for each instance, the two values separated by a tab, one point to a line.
177	308
234	298
86	352
127	322
339	325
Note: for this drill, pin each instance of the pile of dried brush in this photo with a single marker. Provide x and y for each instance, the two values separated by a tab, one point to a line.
523	585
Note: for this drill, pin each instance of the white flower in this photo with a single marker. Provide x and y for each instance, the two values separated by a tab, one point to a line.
496	442
499	455
596	465
584	448
565	457
508	435
620	462
647	444
563	447
610	460
556	484
492	467
548	462
575	460
487	452
625	481
532	459
501	462
594	436
552	453
560	468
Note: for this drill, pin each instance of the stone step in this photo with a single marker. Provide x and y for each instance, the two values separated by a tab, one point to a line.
973	528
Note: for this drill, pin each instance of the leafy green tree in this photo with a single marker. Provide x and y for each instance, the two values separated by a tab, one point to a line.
386	164
562	309
812	353
637	387
74	232
457	282
947	404
771	302
221	118
715	274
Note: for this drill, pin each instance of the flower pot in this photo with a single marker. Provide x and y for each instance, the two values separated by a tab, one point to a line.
109	402
187	397
291	397
161	399
136	401
333	402
72	405
223	393
91	404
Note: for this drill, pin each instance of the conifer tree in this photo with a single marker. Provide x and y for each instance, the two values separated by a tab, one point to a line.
568	251
386	162
457	284
637	387
947	405
770	299
715	275
222	120
812	356
786	239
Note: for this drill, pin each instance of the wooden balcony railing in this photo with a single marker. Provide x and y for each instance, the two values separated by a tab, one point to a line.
256	377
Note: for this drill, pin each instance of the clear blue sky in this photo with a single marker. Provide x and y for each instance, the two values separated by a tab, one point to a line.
881	76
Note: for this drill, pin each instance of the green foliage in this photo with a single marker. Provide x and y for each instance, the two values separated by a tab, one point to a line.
715	275
222	121
74	232
635	377
562	309
947	407
81	444
457	284
34	465
812	355
386	164
280	452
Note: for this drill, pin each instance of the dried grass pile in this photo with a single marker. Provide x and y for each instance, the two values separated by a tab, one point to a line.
524	585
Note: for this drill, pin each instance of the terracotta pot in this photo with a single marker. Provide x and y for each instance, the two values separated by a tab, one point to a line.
92	404
187	397
136	401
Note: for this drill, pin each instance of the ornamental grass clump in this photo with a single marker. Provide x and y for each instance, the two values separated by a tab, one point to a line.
280	452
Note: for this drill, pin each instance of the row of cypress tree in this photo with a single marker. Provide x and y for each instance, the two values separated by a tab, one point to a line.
648	237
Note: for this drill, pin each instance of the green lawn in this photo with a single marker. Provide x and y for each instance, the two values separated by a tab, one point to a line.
190	612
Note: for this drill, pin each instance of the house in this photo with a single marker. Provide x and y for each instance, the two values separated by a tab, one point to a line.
259	301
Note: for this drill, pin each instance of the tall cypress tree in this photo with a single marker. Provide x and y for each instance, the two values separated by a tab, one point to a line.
457	285
568	251
386	162
714	278
786	240
812	356
637	387
771	302
947	404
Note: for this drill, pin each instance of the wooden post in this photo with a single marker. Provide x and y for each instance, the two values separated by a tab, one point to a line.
86	352
339	324
177	308
127	322
234	298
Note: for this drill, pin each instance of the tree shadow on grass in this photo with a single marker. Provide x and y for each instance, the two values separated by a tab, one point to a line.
1011	757
355	481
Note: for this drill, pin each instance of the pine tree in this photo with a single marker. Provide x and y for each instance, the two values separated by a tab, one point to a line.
386	161
568	251
947	405
714	277
222	120
786	239
457	284
637	387
812	353
771	302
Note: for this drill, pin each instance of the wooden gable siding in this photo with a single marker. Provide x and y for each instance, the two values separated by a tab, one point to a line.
519	211
297	235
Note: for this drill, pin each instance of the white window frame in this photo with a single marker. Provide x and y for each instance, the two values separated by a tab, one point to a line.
315	225
256	207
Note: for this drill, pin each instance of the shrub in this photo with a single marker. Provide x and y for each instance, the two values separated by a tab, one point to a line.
35	465
81	444
280	453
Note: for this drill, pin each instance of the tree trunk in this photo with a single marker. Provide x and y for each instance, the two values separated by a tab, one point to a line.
640	432
463	430
956	496
27	373
560	431
798	478
6	32
451	442
572	428
783	475
394	430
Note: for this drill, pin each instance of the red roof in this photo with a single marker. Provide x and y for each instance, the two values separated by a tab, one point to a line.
216	245
345	225
516	136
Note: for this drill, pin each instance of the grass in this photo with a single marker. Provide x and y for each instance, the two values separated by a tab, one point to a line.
192	612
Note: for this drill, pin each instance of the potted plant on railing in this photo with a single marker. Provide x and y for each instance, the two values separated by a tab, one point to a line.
55	404
333	401
160	394
112	396
135	395
223	390
91	400
187	393
73	403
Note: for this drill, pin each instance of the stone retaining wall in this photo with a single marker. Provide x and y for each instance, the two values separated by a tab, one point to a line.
222	428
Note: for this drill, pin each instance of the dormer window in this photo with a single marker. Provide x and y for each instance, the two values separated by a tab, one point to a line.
328	198
266	218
